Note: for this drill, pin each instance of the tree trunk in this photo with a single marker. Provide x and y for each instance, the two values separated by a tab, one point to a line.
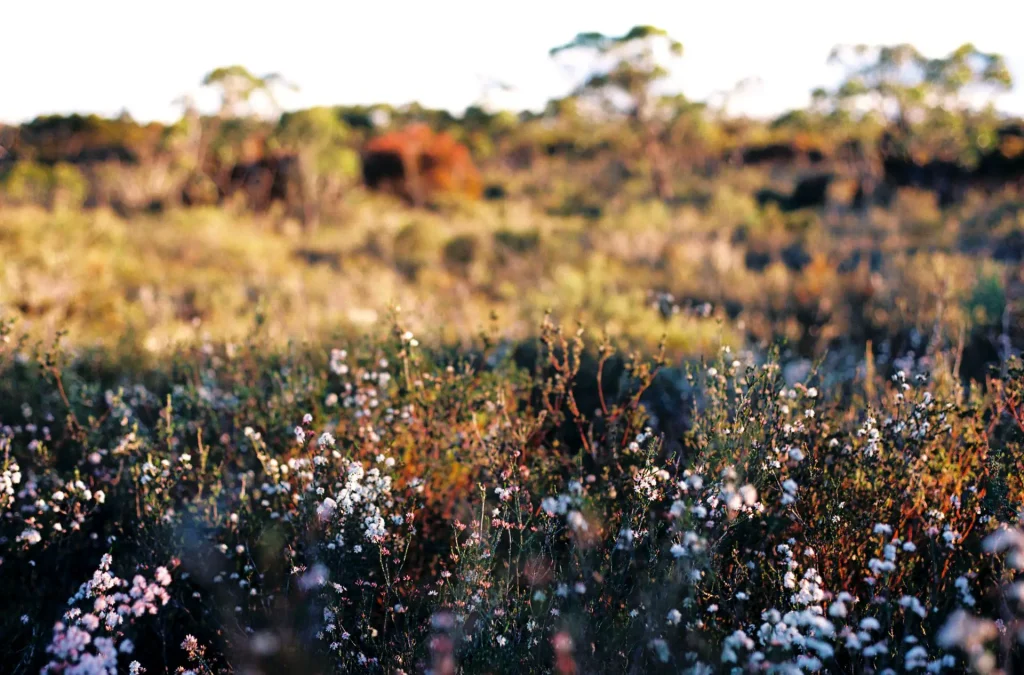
660	173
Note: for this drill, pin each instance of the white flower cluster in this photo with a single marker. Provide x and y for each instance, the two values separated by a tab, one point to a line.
808	636
971	634
637	443
691	545
726	499
566	505
102	601
337	362
8	479
872	438
803	632
363	494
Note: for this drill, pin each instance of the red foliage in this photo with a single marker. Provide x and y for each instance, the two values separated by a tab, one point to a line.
416	162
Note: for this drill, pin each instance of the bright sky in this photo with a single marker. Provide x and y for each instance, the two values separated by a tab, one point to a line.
62	56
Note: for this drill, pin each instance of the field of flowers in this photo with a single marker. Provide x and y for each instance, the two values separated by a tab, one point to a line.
626	384
544	506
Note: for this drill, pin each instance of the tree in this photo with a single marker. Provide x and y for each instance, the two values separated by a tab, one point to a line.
238	86
900	84
319	141
623	76
923	105
887	80
726	97
236	130
965	71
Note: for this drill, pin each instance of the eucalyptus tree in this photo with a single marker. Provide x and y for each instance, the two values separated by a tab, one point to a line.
622	75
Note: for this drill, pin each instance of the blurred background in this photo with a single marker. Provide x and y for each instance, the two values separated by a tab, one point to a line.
839	178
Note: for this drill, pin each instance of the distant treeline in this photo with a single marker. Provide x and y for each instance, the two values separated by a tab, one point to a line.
898	120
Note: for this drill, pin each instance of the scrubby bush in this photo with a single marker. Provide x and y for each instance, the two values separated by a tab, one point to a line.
68	188
461	251
415	246
384	508
27	183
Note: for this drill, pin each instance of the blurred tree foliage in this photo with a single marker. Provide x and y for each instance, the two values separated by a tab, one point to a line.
238	88
623	76
923	102
318	138
899	118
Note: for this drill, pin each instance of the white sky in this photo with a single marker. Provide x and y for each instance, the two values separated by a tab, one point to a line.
62	56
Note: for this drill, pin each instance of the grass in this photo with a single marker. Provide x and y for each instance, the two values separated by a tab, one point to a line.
162	280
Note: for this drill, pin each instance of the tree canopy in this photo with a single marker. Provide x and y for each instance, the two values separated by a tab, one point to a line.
238	85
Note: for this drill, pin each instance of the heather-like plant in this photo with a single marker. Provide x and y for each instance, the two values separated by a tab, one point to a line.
381	507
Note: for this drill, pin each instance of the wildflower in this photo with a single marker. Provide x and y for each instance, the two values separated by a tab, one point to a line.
660	647
501	640
967	632
913	604
577	521
837	609
326	440
190	644
674	617
326	508
962	585
1007	539
337	361
749	494
316	576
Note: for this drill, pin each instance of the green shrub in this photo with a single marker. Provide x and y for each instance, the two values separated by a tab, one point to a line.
461	251
519	242
28	183
987	300
69	187
417	245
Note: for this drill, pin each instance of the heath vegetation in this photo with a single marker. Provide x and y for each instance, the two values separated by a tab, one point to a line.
627	385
